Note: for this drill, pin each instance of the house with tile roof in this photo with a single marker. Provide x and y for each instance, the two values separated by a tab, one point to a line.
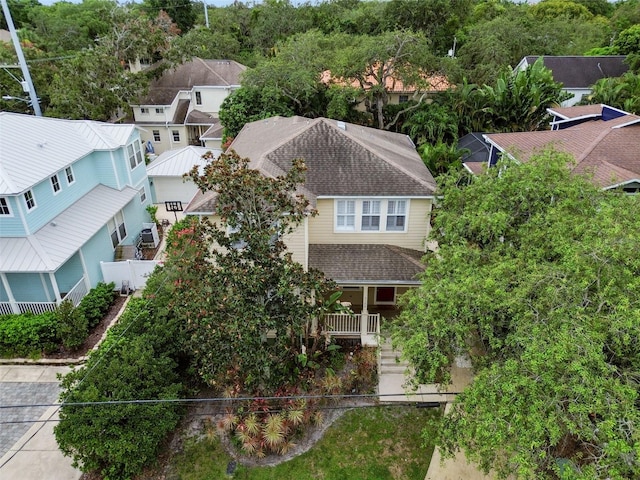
373	195
182	105
71	192
604	141
578	73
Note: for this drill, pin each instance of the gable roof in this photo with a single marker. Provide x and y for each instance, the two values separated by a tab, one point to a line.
580	71
342	159
48	145
195	73
177	162
608	150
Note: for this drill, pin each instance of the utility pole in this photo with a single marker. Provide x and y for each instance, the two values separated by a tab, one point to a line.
23	63
206	13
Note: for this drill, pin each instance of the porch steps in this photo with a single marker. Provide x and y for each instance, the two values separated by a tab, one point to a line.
394	377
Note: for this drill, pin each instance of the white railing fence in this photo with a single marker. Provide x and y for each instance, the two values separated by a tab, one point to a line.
76	294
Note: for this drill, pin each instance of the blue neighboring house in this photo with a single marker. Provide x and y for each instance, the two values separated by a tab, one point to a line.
71	191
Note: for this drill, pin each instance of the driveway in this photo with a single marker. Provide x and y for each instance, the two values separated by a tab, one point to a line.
28	450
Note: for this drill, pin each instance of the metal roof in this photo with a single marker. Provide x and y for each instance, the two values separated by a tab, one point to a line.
34	148
177	162
60	239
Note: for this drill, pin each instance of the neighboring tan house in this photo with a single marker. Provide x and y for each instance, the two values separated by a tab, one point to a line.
166	174
71	191
604	141
578	73
373	195
182	106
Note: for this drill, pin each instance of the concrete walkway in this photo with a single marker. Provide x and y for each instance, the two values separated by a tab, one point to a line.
27	445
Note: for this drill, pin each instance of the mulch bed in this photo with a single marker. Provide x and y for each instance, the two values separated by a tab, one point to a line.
94	336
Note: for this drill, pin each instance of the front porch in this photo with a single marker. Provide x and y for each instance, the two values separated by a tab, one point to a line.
75	295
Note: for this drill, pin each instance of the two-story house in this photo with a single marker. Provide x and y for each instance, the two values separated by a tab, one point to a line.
373	195
71	191
182	105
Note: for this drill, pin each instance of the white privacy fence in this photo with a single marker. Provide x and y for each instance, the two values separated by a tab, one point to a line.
131	272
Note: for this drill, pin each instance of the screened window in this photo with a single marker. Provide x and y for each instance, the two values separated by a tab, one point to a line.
117	229
396	214
370	215
69	174
156	135
55	183
346	215
29	200
4	206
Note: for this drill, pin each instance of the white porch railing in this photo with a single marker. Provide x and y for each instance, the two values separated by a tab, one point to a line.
354	325
76	294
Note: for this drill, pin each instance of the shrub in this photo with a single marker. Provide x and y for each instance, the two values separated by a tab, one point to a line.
136	361
72	325
96	303
28	334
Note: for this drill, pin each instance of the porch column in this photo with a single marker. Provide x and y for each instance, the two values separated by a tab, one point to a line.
85	273
56	290
364	316
7	288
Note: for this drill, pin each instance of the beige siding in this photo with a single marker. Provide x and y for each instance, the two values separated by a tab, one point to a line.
296	243
322	231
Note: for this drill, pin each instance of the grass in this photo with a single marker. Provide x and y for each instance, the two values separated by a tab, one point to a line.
380	443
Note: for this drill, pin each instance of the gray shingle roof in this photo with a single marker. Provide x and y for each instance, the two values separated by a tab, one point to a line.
368	264
581	71
341	158
195	73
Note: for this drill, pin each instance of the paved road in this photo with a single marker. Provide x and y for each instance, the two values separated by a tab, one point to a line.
28	450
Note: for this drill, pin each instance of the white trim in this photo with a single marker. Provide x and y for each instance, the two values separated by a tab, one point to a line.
8	205
358	215
26	201
621	184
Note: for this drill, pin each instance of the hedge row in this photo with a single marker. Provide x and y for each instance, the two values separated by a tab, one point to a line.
31	335
140	359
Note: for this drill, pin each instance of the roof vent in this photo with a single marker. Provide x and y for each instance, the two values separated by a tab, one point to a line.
341	125
42	144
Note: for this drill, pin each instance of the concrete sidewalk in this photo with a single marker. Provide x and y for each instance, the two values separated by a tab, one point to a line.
27	444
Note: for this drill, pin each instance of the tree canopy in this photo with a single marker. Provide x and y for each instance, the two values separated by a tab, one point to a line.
536	279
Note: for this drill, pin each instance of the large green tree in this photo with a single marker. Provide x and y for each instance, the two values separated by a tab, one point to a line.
247	306
537	280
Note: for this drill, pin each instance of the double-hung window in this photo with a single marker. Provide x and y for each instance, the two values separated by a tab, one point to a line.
117	229
69	173
135	154
370	215
4	206
346	215
176	135
156	135
396	215
198	98
29	200
55	183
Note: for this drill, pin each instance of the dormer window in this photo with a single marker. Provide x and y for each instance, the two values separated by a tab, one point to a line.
160	110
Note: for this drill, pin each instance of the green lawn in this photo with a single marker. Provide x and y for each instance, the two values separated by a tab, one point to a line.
376	443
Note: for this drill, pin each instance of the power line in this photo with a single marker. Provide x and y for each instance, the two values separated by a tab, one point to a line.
226	399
